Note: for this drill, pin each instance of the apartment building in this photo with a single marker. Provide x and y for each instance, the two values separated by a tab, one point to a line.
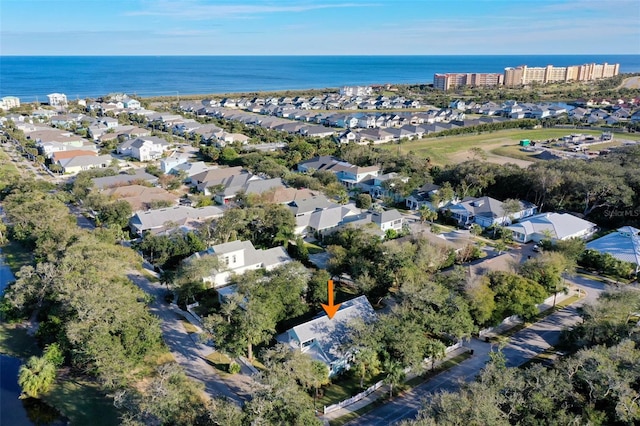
452	80
523	75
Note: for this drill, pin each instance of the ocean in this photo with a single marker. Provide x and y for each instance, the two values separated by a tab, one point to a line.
33	77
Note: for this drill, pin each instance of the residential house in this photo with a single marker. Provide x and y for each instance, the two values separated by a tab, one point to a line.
144	149
322	338
317	131
125	178
553	226
348	174
215	177
160	220
422	197
63	155
141	197
486	211
384	221
237	257
77	164
8	102
623	244
174	159
325	221
57	99
189	169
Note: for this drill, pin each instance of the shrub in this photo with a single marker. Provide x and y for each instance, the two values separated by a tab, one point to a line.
234	368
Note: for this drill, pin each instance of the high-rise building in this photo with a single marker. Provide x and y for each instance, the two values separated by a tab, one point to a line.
524	75
452	80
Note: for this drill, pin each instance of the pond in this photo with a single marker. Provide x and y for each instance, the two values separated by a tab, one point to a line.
22	412
6	276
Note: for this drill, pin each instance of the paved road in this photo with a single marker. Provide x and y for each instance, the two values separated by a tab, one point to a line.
188	351
523	346
83	222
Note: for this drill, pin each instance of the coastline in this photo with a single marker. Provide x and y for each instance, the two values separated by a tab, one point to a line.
31	78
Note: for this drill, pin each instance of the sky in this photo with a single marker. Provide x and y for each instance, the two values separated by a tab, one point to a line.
319	27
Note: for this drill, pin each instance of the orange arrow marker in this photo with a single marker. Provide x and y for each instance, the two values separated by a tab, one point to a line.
330	309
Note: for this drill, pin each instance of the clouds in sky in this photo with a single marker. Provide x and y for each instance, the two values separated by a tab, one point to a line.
323	27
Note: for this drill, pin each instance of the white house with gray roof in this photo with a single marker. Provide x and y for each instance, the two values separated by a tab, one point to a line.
554	226
144	149
322	338
623	244
237	257
486	211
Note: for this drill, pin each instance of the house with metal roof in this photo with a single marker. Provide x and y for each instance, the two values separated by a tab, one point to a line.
322	338
623	244
553	226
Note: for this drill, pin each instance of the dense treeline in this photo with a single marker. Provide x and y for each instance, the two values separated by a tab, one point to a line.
598	385
78	291
78	299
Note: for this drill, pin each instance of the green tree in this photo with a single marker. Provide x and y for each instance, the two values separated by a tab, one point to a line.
366	364
394	374
363	201
36	376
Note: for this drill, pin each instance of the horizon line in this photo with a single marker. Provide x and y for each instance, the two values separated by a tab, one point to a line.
308	55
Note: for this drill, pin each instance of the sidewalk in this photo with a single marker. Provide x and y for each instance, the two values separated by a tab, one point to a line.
383	391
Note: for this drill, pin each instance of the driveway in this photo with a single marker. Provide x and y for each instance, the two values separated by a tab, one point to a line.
188	351
522	346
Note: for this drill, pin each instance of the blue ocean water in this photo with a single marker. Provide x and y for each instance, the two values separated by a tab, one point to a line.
31	77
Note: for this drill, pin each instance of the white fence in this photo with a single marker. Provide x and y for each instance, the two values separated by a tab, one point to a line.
376	386
355	398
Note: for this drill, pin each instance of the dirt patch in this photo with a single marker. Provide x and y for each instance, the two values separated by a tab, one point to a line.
461	156
630	83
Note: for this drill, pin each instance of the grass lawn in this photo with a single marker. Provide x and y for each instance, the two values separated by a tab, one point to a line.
313	249
83	403
16	255
189	328
344	388
443	150
219	361
14	341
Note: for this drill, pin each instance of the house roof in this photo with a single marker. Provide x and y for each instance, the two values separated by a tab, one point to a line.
385	216
485	206
264	258
85	160
61	155
624	244
139	196
214	174
179	214
306	205
123	179
559	225
328	218
329	334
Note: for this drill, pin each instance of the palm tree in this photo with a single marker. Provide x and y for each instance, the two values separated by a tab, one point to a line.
36	376
394	374
426	214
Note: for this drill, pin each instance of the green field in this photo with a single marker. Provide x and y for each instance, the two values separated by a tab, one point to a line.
499	146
